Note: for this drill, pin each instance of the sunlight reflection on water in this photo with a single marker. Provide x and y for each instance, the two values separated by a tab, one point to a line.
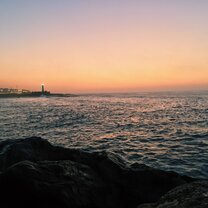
160	130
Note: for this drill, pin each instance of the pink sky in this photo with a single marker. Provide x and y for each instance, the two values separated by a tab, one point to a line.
104	46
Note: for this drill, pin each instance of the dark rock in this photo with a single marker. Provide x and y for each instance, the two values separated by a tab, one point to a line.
49	184
192	195
33	149
36	173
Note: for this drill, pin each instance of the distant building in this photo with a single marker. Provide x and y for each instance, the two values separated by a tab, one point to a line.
42	92
25	93
13	91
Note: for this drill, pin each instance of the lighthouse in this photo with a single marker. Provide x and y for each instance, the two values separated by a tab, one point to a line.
43	90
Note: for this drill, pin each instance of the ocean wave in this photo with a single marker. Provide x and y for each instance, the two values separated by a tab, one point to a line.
166	131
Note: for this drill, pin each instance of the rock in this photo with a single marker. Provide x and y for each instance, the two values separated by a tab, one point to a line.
192	195
146	205
38	174
33	149
49	184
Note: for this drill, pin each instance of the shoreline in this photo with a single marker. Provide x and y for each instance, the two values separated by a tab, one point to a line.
36	96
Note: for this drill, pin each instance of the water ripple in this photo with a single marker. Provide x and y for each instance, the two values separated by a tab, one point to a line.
167	131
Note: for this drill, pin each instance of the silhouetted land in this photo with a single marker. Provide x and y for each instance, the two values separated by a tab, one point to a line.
35	94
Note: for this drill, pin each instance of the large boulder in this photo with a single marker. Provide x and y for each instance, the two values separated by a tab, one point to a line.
33	149
49	184
192	195
34	170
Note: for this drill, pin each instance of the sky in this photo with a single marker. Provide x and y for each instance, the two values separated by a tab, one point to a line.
87	46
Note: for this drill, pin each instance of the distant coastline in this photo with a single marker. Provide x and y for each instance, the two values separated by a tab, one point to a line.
34	95
16	93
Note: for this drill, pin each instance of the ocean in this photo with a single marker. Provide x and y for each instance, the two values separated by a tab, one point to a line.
166	130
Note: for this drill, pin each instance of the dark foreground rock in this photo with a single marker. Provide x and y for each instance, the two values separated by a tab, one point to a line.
35	173
189	195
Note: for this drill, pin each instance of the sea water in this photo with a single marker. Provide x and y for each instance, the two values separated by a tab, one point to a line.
165	130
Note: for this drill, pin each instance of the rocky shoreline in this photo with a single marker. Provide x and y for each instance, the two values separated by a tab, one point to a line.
34	173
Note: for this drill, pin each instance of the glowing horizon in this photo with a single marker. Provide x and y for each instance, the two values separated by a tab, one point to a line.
104	46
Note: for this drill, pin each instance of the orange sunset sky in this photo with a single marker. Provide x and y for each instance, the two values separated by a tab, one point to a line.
104	46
